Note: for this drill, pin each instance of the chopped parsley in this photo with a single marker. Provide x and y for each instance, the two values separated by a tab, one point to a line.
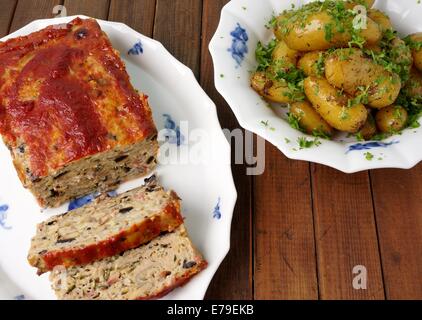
361	98
414	45
395	55
369	156
413	106
263	54
293	121
359	137
319	133
328	29
304	143
320	64
271	23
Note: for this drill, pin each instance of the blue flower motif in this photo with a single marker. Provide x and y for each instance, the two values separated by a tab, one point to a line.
3	216
137	49
216	214
173	135
370	145
239	45
80	202
19	297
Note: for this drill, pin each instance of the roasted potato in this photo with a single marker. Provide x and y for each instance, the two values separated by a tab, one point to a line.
278	26
309	119
368	3
273	90
401	54
332	105
413	87
312	63
369	129
381	18
417	54
391	119
284	54
310	33
374	47
350	70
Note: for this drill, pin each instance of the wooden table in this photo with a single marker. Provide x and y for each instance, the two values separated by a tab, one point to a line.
300	228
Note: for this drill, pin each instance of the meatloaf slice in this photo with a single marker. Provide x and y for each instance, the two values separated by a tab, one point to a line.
105	227
147	272
69	115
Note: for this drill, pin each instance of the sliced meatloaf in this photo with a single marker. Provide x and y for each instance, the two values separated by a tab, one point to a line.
69	115
147	272
105	227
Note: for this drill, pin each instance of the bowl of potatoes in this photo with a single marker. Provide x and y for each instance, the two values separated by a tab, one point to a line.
336	82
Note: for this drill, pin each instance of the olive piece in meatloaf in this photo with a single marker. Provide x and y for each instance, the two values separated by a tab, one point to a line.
147	272
105	227
69	115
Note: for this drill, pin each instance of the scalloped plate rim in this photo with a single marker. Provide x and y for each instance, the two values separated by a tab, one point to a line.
347	166
230	197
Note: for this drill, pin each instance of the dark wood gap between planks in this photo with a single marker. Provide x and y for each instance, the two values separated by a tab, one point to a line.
377	231
8	8
315	235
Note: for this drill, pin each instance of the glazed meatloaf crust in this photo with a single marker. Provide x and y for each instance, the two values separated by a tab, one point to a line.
69	115
105	227
147	272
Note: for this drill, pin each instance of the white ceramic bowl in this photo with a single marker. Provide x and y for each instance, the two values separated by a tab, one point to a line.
206	186
241	26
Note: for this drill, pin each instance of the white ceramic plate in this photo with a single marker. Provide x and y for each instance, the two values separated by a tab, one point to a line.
206	186
241	26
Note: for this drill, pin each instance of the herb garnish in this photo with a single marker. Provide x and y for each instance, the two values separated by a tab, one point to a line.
264	53
305	143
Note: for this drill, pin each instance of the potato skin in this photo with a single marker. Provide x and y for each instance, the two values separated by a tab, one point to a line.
374	47
272	90
284	54
332	105
309	119
348	69
391	119
413	86
417	54
277	29
368	3
308	63
381	18
401	53
309	35
369	129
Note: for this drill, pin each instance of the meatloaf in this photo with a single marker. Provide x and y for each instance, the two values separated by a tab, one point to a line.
69	114
105	227
147	272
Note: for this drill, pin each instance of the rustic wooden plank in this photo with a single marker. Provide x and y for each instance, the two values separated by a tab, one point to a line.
285	263
178	27
6	15
138	14
92	8
345	234
29	10
234	277
398	208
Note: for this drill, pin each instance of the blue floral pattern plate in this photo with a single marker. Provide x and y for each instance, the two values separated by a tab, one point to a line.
243	23
206	186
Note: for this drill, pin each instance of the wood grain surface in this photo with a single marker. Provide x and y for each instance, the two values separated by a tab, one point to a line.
299	229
